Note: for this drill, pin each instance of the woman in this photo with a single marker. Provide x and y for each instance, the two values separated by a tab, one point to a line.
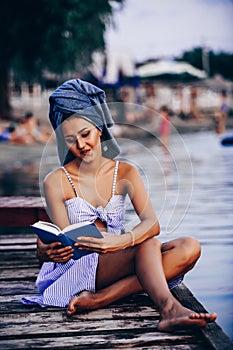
165	126
92	186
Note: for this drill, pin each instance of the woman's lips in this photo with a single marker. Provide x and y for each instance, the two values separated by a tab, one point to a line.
85	153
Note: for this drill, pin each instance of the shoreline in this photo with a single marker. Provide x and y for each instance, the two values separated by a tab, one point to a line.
182	126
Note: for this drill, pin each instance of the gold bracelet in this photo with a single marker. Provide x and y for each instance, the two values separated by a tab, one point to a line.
133	238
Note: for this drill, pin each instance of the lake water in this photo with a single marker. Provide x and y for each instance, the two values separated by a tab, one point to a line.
191	188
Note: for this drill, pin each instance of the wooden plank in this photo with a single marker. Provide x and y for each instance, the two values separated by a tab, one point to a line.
119	328
22	211
12	303
12	274
128	323
23	247
107	340
55	321
113	319
47	324
17	287
22	263
10	239
20	242
18	258
16	307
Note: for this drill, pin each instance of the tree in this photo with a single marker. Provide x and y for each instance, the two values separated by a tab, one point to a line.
218	63
54	35
221	63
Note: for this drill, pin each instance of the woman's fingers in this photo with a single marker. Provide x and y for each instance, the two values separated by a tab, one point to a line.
59	254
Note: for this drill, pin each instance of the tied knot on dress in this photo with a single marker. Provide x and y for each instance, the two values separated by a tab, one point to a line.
102	214
78	98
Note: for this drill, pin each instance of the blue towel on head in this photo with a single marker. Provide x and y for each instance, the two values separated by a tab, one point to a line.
87	101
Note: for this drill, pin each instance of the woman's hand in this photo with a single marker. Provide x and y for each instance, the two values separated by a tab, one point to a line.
53	252
108	244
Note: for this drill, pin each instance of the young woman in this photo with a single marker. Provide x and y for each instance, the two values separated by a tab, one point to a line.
91	185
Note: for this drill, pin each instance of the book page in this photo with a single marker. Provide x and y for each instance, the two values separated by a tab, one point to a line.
73	226
48	226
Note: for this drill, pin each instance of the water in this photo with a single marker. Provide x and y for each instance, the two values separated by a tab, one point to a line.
191	188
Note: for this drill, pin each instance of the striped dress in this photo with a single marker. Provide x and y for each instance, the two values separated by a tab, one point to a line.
58	282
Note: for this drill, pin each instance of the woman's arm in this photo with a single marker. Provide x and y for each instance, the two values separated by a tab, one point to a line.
149	225
130	182
56	210
54	196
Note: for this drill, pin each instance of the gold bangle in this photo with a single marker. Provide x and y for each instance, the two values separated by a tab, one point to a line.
133	238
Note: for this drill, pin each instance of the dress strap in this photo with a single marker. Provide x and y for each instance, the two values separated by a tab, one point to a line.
115	177
70	180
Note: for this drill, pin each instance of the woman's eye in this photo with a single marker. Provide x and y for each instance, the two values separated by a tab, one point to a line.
70	141
85	134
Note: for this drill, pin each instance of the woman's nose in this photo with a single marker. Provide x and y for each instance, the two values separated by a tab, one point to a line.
80	142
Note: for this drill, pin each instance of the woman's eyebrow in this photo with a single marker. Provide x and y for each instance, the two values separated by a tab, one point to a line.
78	132
83	129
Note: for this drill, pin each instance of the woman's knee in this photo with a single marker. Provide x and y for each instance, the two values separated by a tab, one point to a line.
150	243
191	249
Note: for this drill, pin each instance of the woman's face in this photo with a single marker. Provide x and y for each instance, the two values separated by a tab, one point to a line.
82	138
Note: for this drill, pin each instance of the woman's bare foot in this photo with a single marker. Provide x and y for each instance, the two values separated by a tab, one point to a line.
84	301
175	316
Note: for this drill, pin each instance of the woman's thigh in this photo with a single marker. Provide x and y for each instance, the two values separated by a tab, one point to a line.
115	266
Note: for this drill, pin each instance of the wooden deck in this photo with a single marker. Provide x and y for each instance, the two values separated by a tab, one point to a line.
129	323
21	211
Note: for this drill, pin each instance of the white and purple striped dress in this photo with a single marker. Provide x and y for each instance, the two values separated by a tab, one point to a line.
58	282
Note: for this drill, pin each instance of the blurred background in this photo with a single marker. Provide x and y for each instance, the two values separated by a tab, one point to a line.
166	68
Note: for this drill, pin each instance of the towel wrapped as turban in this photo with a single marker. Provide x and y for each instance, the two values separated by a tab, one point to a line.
78	97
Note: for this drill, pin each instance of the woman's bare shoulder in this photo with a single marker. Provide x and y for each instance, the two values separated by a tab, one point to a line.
127	169
53	176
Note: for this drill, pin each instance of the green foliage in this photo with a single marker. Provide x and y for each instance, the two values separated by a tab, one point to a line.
219	63
51	34
193	57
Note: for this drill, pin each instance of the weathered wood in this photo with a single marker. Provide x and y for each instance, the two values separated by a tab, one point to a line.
108	340
38	324
125	324
13	274
22	211
12	240
18	258
11	303
17	287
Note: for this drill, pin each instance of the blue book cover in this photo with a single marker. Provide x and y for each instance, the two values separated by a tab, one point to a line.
49	233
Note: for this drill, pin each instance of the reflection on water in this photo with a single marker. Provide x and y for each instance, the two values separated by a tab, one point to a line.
22	179
191	189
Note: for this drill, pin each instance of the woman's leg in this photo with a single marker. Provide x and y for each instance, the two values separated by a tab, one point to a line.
178	257
149	270
115	291
146	261
153	279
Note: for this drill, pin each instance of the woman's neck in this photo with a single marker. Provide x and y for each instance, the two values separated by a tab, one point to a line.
93	167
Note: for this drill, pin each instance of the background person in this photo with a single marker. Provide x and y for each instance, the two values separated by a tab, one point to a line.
164	126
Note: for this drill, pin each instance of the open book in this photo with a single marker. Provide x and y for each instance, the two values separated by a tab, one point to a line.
49	233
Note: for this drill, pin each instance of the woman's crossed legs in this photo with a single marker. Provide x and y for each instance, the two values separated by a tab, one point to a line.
147	267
